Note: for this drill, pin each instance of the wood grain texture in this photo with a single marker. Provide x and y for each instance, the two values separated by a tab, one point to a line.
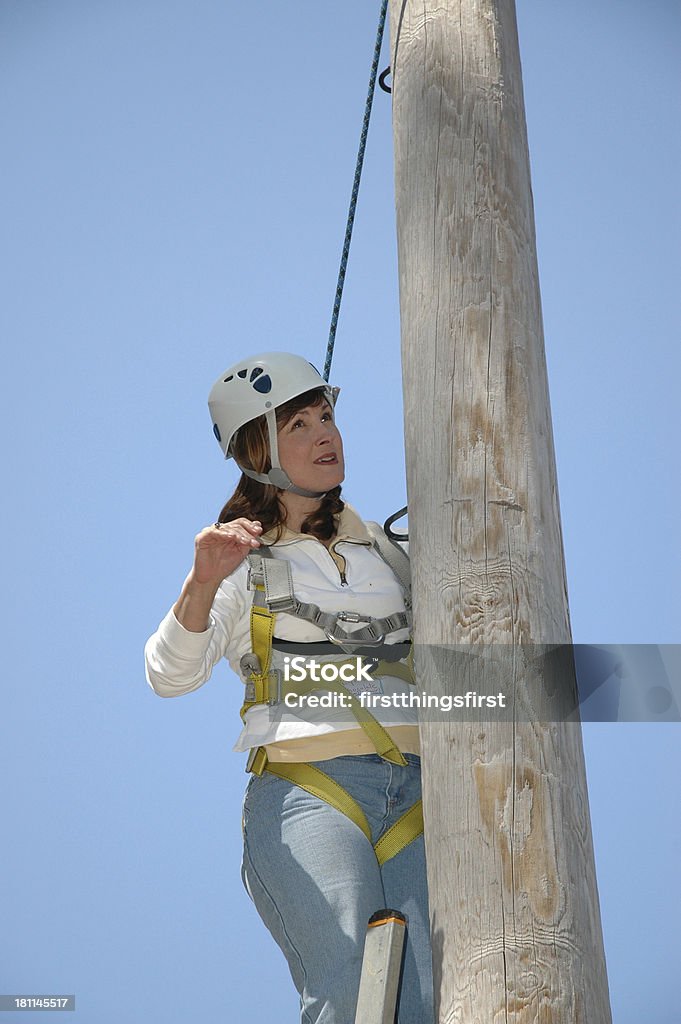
514	905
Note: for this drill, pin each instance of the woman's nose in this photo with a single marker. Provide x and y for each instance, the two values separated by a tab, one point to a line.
324	433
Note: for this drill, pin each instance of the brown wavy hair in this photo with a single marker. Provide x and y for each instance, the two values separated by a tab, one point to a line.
253	500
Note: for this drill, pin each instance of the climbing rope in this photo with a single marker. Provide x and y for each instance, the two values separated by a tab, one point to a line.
355	191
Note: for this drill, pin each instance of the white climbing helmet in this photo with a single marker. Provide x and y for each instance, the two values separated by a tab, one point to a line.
256	387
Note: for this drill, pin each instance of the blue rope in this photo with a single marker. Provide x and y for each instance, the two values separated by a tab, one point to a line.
355	191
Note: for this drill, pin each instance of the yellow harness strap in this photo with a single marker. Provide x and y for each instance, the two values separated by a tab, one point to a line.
321	785
262	631
407	828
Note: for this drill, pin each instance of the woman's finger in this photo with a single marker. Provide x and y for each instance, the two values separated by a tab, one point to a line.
230	532
253	527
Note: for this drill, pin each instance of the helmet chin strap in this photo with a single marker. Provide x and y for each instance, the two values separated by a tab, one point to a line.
277	476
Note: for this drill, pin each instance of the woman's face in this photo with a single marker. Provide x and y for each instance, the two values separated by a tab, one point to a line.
311	449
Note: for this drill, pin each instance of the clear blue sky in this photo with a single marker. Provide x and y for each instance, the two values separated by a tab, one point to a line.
175	178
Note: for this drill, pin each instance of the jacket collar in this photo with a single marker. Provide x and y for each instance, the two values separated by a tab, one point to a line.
349	528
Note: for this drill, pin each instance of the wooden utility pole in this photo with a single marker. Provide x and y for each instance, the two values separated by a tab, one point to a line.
514	905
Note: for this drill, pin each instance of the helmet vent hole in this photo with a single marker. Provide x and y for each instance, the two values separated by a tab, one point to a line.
263	384
242	373
216	431
227	379
255	373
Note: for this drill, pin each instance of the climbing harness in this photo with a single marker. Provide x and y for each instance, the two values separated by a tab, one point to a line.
270	579
355	190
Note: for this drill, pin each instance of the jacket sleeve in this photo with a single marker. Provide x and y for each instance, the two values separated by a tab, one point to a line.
178	661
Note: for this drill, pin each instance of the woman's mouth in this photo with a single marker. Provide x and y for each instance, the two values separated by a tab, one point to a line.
327	460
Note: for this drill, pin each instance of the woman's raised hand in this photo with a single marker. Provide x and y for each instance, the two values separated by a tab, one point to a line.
220	549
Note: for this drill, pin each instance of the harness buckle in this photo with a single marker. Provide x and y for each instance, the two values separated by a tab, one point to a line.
353	617
255	577
274	676
342	641
250	666
257	760
347	641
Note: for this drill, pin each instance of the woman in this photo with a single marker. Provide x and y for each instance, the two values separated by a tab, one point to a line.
290	571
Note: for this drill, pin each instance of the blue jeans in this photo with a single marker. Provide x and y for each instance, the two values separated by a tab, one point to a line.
315	882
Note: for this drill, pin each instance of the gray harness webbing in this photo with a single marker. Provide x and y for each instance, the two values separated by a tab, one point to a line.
278	596
395	556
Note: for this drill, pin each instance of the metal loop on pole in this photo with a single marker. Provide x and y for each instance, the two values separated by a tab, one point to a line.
382	77
389	522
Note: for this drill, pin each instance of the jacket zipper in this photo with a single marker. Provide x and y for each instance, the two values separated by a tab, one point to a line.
341	572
